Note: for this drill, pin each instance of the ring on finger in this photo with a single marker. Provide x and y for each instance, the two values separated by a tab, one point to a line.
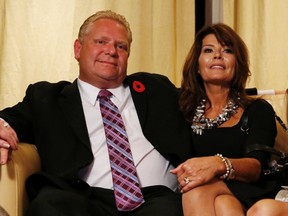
186	180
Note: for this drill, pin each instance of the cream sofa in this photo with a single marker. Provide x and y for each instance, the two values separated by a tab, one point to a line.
23	163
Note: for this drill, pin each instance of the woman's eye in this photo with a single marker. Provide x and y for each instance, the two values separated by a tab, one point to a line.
207	50
228	50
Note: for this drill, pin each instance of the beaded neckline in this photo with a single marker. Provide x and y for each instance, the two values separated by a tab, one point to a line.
201	123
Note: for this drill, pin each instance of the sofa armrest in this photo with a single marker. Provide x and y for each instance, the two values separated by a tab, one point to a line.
24	162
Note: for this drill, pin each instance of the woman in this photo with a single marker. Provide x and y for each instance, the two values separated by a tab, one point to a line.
222	179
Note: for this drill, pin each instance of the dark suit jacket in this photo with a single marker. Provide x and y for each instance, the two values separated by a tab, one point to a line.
51	117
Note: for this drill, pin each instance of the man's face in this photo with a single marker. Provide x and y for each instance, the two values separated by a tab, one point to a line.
103	54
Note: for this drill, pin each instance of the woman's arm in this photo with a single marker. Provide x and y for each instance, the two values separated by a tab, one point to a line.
200	170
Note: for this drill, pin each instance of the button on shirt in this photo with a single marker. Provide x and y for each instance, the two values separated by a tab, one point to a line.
152	168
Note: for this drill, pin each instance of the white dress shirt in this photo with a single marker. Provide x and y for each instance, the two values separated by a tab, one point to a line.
152	168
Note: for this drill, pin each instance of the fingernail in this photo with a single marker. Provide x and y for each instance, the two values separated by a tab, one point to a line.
6	145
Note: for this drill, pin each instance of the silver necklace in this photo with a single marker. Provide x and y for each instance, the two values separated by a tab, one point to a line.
201	123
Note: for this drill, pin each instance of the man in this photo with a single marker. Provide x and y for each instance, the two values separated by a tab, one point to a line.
64	121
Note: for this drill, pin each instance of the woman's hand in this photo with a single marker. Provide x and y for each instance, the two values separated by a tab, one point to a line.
198	171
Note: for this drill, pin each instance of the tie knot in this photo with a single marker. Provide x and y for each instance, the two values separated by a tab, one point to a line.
104	93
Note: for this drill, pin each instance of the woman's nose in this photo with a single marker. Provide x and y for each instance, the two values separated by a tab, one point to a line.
218	55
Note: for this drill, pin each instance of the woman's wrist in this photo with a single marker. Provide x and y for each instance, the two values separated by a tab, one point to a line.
229	170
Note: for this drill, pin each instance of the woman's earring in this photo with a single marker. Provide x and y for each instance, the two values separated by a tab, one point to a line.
239	96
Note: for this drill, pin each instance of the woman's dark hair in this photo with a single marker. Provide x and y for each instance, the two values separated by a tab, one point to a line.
192	87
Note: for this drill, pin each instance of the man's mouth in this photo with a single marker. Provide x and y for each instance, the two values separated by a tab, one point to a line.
108	62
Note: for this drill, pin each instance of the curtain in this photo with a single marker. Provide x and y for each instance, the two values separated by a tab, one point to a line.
37	36
262	24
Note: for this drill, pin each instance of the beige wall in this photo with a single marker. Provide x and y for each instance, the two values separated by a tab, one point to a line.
263	26
38	38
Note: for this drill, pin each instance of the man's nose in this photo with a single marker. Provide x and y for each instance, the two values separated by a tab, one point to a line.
110	49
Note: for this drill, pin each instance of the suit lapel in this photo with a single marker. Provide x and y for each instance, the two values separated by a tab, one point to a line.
71	104
139	97
72	109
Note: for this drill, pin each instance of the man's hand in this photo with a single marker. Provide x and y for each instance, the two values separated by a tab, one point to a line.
8	141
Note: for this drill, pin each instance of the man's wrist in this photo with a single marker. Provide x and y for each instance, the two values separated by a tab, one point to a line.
5	124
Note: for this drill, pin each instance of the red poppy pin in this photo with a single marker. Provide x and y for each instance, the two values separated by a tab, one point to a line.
138	86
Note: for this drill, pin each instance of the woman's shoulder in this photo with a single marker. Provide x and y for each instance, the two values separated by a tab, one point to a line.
259	103
259	107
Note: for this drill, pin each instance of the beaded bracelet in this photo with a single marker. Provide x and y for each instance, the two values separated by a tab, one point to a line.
230	172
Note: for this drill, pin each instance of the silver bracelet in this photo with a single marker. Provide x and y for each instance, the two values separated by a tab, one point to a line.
230	172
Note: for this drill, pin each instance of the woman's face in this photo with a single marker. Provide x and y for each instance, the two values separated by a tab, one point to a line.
216	62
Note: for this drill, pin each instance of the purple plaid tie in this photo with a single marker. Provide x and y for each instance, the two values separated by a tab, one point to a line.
127	192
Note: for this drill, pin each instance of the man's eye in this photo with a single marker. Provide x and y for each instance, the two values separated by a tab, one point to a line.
100	42
122	47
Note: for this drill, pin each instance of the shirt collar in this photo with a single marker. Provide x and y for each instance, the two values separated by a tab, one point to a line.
90	92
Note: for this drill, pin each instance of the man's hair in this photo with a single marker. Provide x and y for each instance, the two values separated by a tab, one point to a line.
107	14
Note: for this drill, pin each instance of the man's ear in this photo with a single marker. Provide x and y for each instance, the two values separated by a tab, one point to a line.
77	49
